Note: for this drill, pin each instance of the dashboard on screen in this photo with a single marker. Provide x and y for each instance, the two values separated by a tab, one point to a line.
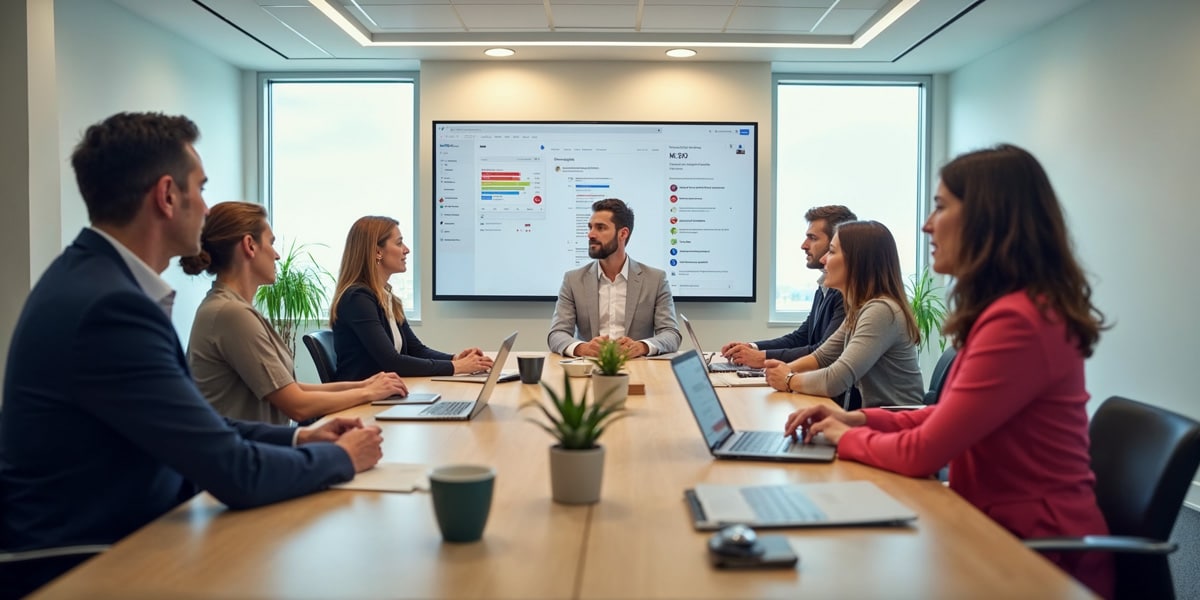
512	202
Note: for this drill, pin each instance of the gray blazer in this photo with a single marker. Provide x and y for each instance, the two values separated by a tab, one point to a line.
649	308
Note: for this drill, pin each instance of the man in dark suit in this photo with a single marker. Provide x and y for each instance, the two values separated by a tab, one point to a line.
615	297
102	429
827	311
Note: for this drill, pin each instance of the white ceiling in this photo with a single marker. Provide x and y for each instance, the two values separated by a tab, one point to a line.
934	36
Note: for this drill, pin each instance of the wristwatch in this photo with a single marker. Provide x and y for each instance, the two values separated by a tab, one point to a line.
787	381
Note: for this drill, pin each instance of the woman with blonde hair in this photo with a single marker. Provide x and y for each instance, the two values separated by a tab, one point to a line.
239	362
875	348
1012	416
370	333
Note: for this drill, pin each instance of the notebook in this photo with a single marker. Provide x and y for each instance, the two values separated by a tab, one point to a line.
453	410
795	505
719	367
722	440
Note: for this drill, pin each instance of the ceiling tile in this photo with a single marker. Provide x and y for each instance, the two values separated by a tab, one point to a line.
844	22
480	17
729	3
413	16
592	16
699	18
554	4
773	20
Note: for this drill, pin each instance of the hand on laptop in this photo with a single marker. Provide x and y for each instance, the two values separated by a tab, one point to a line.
745	355
727	348
825	419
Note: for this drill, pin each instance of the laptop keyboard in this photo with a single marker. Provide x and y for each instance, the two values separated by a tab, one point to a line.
444	409
781	504
761	442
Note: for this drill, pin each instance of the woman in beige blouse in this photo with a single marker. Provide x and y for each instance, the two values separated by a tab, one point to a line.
238	360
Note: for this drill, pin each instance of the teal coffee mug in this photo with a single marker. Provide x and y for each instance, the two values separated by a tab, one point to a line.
462	498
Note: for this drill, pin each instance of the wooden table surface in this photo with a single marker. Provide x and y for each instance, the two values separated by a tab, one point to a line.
637	542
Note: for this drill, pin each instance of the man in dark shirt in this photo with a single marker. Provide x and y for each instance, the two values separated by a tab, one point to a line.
827	311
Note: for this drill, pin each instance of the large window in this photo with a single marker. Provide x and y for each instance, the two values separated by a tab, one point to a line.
852	142
336	150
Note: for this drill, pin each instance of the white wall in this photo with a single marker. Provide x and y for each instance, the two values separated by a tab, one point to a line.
109	61
1107	98
627	91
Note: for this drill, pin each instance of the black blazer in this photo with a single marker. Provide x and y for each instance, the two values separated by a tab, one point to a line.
102	428
826	316
364	345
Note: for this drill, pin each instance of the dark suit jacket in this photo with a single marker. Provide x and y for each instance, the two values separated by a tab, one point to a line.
826	316
102	429
364	344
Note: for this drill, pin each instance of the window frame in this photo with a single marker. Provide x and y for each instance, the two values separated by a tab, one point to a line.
924	84
266	194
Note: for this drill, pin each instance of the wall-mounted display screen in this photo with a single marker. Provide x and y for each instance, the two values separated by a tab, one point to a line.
512	202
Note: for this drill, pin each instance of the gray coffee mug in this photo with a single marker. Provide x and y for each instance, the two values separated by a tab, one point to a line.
462	498
531	367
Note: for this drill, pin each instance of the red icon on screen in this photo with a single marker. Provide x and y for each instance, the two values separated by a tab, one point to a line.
537	199
674	220
674	198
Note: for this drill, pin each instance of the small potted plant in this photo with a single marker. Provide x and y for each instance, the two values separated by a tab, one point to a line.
928	308
609	383
297	295
576	461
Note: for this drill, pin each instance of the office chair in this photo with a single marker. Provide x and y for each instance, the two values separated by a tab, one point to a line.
23	572
1144	458
320	346
939	375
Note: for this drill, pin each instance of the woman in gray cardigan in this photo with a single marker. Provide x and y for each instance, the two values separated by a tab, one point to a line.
875	349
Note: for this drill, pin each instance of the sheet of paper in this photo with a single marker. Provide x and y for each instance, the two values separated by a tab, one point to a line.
390	477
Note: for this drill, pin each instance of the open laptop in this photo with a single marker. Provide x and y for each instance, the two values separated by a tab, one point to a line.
479	376
829	504
453	410
719	367
722	440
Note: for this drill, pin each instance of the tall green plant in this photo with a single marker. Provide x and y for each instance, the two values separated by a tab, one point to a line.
928	307
610	359
576	425
297	295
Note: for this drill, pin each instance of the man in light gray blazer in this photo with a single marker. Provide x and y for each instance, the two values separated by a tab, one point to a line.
615	297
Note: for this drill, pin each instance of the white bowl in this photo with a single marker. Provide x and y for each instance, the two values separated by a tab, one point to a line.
577	368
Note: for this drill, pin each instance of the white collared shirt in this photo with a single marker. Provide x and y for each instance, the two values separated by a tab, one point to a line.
151	283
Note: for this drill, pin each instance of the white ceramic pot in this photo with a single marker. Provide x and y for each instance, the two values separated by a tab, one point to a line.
613	389
576	475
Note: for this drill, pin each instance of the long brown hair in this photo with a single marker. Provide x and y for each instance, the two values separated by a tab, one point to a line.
872	271
1014	238
224	228
359	267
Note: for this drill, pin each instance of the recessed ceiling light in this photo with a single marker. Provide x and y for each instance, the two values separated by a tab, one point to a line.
681	53
499	52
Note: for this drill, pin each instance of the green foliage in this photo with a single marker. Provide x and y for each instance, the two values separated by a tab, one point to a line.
611	358
928	308
576	425
297	294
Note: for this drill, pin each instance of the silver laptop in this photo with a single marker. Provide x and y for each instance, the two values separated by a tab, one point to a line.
453	410
795	505
479	377
722	440
712	367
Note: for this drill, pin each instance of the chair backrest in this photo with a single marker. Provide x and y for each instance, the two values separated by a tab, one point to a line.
1144	458
939	375
320	346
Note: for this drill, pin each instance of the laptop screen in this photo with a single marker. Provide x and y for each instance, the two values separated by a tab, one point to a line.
494	374
692	375
695	340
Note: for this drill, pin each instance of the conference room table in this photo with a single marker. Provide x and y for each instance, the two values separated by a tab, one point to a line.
637	542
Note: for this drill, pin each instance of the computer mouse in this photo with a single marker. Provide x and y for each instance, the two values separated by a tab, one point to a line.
735	540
